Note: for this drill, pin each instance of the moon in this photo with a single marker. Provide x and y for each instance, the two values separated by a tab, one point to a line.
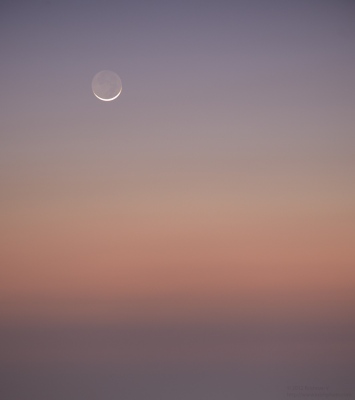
106	85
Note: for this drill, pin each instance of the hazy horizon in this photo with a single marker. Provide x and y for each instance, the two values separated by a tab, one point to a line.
193	238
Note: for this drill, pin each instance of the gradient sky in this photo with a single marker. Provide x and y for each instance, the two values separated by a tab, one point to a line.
195	238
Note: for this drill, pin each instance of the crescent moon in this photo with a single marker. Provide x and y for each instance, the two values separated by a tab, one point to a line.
113	98
106	85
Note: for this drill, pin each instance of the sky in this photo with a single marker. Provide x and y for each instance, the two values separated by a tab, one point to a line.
194	238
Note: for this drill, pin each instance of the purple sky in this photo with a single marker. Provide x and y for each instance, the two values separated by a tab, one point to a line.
194	238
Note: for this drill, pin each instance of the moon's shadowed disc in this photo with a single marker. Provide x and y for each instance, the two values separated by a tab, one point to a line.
106	85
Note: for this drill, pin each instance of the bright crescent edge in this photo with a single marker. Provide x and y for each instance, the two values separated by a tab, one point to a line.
113	98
